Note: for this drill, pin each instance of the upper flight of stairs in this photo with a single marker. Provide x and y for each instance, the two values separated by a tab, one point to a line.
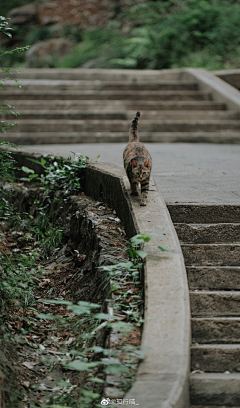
210	241
97	106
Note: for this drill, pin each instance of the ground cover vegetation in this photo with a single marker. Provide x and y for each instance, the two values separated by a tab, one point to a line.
154	35
54	336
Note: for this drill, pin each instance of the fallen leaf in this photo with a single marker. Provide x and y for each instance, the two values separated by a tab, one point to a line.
26	383
29	364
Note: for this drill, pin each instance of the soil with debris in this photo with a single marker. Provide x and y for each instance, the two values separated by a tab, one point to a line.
89	13
34	350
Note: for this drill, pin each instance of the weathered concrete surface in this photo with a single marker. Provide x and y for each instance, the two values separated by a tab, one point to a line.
215	357
215	389
213	277
161	381
219	303
211	254
184	173
216	330
56	84
208	233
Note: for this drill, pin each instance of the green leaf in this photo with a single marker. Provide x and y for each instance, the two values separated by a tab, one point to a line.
120	326
81	365
36	161
64	384
96	379
163	248
56	302
48	317
27	170
33	175
103	316
142	254
117	368
90	394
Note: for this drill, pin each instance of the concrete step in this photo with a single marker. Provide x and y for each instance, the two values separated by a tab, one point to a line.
204	213
65	125
34	84
53	137
215	389
24	94
123	105
124	115
215	357
93	74
215	303
208	233
213	277
217	330
211	254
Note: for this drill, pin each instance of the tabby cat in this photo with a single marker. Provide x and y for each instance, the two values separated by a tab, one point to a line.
137	162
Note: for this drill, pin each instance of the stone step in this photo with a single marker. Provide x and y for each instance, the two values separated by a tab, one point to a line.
23	94
33	137
93	74
65	125
215	357
213	277
110	115
215	389
123	105
103	85
215	303
211	254
218	330
208	233
204	213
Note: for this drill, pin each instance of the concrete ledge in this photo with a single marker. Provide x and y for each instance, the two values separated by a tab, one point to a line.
162	379
220	90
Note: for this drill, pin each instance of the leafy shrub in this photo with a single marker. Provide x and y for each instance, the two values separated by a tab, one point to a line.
168	34
157	35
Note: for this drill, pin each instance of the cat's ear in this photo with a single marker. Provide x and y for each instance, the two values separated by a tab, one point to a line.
146	164
134	163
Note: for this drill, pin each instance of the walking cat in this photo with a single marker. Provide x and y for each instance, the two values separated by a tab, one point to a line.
137	162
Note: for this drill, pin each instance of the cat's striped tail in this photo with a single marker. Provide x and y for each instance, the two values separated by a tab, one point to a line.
133	136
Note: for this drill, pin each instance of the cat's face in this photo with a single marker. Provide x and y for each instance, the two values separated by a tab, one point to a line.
140	172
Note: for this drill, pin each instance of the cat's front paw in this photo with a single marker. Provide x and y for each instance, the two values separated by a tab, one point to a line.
143	203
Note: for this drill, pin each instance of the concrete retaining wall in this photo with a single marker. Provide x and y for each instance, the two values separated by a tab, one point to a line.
162	379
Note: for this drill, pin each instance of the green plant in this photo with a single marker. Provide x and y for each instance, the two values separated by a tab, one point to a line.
167	34
65	174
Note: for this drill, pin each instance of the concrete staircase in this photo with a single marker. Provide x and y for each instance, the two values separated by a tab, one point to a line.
210	241
96	106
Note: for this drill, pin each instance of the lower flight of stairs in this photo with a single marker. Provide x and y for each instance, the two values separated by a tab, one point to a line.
210	241
98	107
